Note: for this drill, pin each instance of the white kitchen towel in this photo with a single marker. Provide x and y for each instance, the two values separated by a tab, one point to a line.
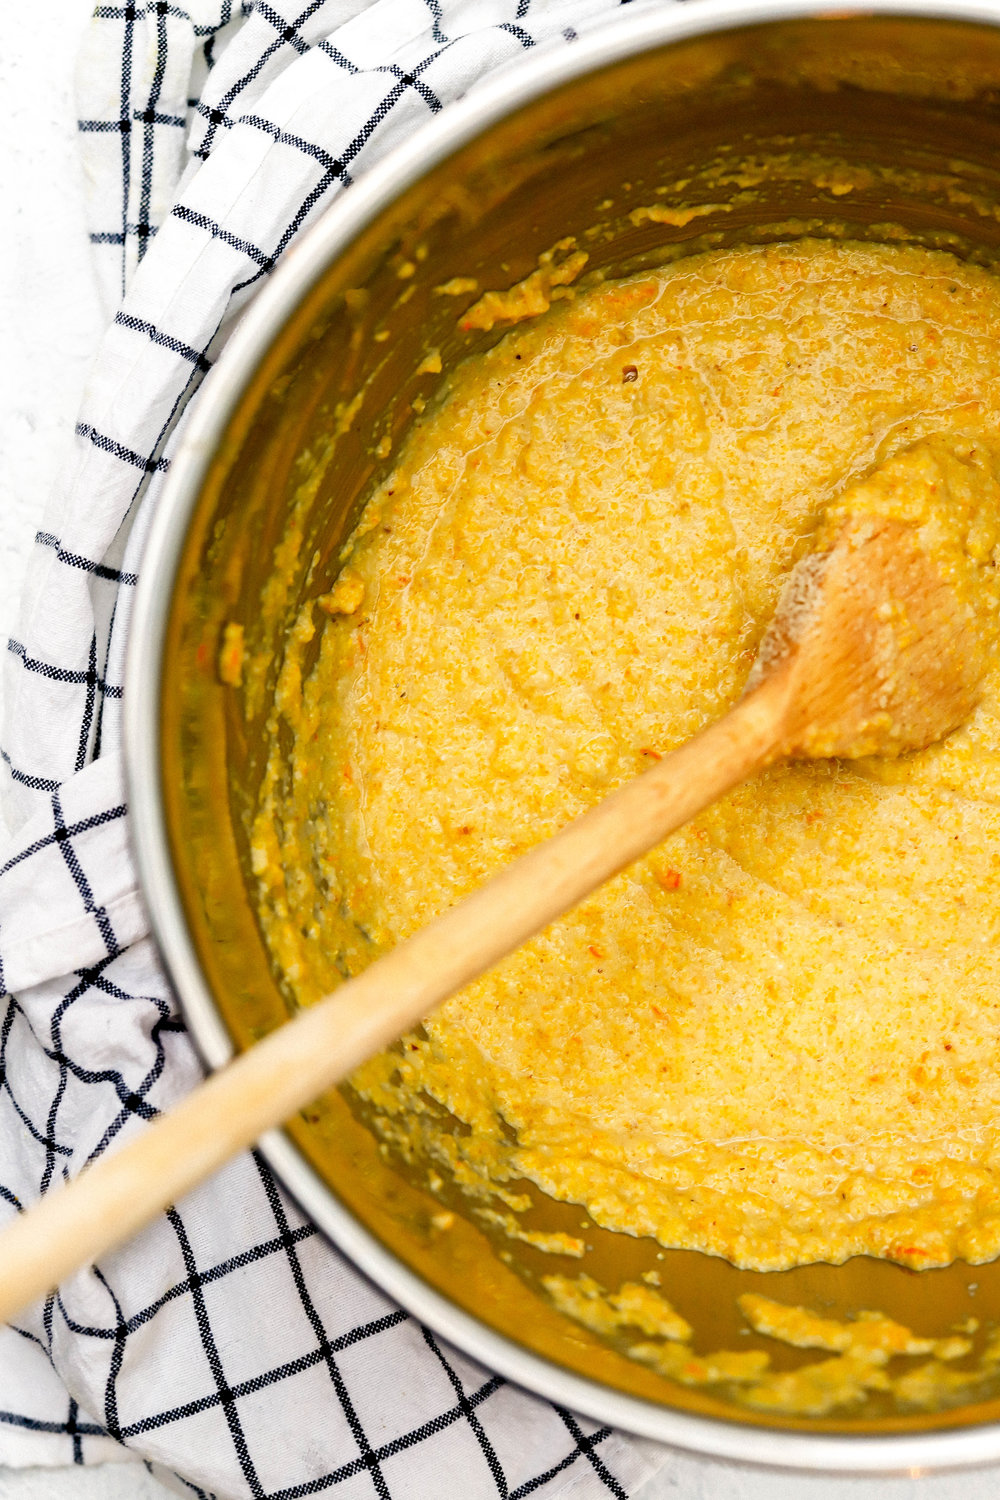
229	1343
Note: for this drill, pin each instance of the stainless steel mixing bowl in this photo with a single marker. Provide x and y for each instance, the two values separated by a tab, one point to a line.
288	431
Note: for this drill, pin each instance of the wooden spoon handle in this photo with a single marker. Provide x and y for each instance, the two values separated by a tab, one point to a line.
75	1224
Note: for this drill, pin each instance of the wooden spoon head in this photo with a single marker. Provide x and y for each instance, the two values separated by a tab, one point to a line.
882	653
882	638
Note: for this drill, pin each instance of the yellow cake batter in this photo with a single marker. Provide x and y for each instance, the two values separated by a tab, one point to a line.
776	1038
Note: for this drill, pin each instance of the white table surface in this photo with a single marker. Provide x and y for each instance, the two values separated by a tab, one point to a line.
50	322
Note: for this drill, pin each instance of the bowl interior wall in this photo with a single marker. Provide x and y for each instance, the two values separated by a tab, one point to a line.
914	103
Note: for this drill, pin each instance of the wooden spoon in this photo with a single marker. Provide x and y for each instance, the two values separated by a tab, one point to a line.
872	651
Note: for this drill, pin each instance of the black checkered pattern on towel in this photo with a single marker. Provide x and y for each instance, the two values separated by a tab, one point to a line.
229	1343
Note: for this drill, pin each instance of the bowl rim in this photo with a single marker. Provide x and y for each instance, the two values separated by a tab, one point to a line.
307	258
